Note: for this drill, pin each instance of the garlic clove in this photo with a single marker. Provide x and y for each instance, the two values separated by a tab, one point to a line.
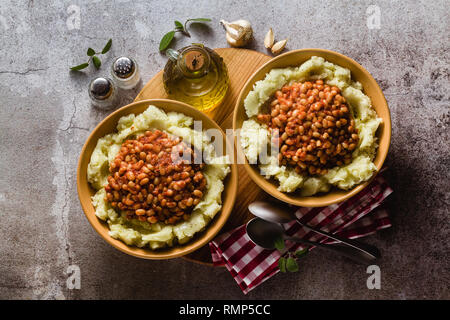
233	31
279	46
231	41
238	32
269	39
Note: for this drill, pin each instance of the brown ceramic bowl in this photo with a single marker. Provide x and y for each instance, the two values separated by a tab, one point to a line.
370	88
85	191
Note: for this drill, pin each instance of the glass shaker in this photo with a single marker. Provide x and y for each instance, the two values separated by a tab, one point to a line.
125	72
102	92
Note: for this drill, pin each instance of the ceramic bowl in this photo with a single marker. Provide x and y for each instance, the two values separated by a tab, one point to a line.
85	191
370	88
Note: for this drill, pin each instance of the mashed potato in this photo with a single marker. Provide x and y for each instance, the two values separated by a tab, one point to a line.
139	233
254	136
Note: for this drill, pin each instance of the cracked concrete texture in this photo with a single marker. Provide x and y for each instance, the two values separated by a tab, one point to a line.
45	118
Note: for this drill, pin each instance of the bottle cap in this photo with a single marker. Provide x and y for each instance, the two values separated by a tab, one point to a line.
194	60
100	88
123	67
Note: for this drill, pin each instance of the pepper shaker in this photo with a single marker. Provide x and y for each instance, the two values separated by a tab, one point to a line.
125	72
102	92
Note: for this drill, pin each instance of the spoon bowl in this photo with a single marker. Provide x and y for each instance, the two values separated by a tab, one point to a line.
277	213
264	233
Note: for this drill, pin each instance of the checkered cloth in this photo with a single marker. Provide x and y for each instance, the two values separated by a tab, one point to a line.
251	265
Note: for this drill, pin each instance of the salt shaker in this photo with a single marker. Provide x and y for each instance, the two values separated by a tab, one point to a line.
125	72
102	92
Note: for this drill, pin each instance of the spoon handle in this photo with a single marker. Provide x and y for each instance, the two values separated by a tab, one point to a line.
357	256
368	250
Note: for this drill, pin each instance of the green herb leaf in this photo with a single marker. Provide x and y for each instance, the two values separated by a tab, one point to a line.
179	25
97	62
279	244
166	40
90	52
79	67
199	20
300	253
107	46
291	265
186	32
282	264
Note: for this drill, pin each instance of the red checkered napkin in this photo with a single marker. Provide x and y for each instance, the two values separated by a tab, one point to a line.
251	265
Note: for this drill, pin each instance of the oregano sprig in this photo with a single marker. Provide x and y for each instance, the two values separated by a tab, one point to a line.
92	54
179	27
288	263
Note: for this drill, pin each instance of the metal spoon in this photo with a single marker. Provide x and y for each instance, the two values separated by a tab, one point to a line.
281	213
264	234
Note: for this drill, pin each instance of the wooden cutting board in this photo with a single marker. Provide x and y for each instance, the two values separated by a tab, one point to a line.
241	63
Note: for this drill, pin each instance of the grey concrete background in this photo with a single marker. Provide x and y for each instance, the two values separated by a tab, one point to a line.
45	117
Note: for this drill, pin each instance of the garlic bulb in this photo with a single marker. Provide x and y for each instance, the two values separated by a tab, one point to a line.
239	32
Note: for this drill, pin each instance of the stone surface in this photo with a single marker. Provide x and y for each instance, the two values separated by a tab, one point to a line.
45	117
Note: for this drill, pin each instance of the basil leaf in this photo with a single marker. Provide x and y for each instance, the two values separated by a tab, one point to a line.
97	62
300	253
282	264
178	25
279	244
107	46
166	40
291	265
79	67
90	52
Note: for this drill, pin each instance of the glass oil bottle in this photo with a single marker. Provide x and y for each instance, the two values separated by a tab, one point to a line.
197	76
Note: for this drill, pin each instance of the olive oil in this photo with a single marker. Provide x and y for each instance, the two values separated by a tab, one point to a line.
197	76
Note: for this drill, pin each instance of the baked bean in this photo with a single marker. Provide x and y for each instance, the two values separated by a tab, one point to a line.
179	185
276	121
285	107
197	193
140	212
142	176
152	219
189	202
